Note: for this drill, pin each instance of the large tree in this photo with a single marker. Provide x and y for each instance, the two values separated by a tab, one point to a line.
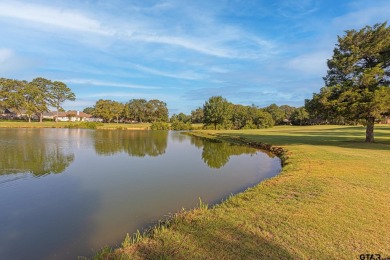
358	78
42	99
135	109
20	96
9	93
108	109
216	110
278	115
197	115
30	99
157	111
59	93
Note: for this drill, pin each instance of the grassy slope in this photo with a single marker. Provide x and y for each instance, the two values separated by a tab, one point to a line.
332	201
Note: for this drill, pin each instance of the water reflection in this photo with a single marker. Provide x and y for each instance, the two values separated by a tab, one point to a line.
134	143
86	208
217	154
29	151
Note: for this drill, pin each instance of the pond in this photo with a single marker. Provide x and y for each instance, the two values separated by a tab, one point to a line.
68	192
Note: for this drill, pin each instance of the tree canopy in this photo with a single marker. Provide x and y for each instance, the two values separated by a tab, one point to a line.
138	110
216	111
357	81
33	98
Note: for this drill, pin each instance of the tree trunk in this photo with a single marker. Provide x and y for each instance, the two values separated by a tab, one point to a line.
215	126
57	116
29	119
370	130
40	117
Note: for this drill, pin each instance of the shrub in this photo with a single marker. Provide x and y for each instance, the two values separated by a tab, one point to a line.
87	125
159	126
180	125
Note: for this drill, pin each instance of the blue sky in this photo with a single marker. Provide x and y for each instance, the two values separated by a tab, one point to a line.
182	52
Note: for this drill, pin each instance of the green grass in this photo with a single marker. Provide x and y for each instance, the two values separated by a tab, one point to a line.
331	201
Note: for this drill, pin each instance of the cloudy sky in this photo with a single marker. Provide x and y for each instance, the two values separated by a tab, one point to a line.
179	51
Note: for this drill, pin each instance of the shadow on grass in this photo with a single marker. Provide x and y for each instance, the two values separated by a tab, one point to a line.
215	239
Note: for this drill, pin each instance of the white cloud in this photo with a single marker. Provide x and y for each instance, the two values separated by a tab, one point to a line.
201	45
130	95
106	84
189	75
5	55
377	13
212	38
297	9
312	63
11	63
67	19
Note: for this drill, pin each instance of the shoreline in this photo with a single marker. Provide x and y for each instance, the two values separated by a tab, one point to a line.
286	216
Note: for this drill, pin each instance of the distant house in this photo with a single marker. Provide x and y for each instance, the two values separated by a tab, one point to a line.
69	116
7	114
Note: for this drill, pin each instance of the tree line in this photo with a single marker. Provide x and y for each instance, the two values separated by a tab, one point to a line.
136	110
218	113
357	90
34	97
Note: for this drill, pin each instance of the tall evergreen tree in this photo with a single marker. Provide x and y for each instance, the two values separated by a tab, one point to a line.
358	78
59	93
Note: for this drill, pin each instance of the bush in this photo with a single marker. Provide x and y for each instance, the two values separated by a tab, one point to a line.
86	125
159	126
180	125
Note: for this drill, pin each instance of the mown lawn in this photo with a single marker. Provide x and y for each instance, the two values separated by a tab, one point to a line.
331	201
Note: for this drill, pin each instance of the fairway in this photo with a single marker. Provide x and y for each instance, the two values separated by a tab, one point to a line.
331	201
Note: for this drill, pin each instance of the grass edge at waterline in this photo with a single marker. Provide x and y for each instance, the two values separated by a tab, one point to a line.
330	201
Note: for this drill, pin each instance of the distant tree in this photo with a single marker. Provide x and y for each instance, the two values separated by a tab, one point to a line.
20	96
157	111
42	99
300	116
260	117
181	117
278	115
216	111
106	109
141	110
180	125
358	78
287	111
9	92
197	115
59	93
4	92
30	98
240	117
135	109
117	110
89	110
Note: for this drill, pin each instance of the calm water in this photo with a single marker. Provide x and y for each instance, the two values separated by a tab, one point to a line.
68	192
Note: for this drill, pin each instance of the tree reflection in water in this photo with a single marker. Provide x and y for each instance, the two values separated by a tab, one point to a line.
216	154
135	143
31	151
